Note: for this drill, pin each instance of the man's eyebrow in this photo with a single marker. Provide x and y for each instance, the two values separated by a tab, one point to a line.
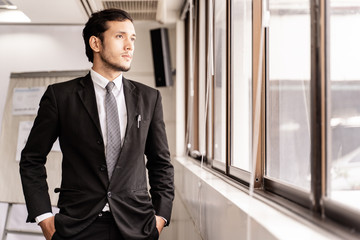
122	32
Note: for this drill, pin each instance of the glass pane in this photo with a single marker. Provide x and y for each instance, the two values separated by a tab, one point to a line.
241	80
343	143
288	93
219	80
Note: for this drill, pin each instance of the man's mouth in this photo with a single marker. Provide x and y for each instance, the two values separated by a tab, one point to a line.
127	56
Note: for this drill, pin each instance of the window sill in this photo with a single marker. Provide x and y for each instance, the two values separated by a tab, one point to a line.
217	202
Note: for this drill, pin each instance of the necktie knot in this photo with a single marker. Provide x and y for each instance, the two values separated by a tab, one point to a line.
109	87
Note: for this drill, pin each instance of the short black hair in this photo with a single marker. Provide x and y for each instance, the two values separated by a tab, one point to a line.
96	26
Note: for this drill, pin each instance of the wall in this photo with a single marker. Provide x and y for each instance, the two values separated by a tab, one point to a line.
39	48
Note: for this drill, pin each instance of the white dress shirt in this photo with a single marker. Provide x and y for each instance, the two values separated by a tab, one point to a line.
100	83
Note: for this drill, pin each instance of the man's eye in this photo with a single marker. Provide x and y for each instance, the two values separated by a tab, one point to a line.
119	36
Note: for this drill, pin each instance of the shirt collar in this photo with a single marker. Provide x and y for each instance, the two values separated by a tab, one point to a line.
102	81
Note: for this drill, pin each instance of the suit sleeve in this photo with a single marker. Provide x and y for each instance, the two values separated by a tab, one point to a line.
33	157
161	171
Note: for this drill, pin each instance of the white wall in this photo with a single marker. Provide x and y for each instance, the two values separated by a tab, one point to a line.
39	48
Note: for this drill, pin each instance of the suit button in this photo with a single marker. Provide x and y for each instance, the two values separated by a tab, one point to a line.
102	168
109	194
99	141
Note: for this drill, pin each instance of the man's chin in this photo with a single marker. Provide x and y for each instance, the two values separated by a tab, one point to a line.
125	69
117	67
121	68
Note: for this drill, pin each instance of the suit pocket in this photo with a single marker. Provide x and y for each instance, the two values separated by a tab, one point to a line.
140	196
138	200
69	197
60	190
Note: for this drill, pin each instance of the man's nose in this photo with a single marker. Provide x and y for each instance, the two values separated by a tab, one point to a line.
129	45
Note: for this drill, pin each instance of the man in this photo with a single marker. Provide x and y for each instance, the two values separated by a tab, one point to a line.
104	132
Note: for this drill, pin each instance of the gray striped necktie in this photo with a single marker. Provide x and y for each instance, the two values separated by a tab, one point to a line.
113	129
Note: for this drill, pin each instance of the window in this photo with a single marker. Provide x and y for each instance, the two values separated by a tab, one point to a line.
219	85
192	86
288	98
241	84
343	108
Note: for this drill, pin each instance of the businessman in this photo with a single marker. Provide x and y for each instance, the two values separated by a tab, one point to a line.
106	124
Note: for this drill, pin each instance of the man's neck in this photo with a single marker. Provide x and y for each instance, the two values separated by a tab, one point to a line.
107	73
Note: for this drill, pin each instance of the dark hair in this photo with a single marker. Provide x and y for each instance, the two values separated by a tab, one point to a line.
96	26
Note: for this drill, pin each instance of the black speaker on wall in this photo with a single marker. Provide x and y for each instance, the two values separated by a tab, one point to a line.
161	57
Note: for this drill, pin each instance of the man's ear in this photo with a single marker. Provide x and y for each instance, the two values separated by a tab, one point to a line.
95	43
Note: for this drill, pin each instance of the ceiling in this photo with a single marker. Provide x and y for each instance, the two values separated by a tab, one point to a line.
77	11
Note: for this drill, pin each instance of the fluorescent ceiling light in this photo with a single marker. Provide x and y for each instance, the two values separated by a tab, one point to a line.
13	16
5	4
8	7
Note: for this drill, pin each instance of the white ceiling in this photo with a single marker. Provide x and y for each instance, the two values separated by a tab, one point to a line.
73	11
52	11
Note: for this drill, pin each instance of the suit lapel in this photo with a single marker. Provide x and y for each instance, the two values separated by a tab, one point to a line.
87	96
131	101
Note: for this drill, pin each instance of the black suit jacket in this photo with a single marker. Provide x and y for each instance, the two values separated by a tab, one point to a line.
68	110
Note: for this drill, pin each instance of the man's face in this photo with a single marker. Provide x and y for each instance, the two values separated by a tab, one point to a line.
118	44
